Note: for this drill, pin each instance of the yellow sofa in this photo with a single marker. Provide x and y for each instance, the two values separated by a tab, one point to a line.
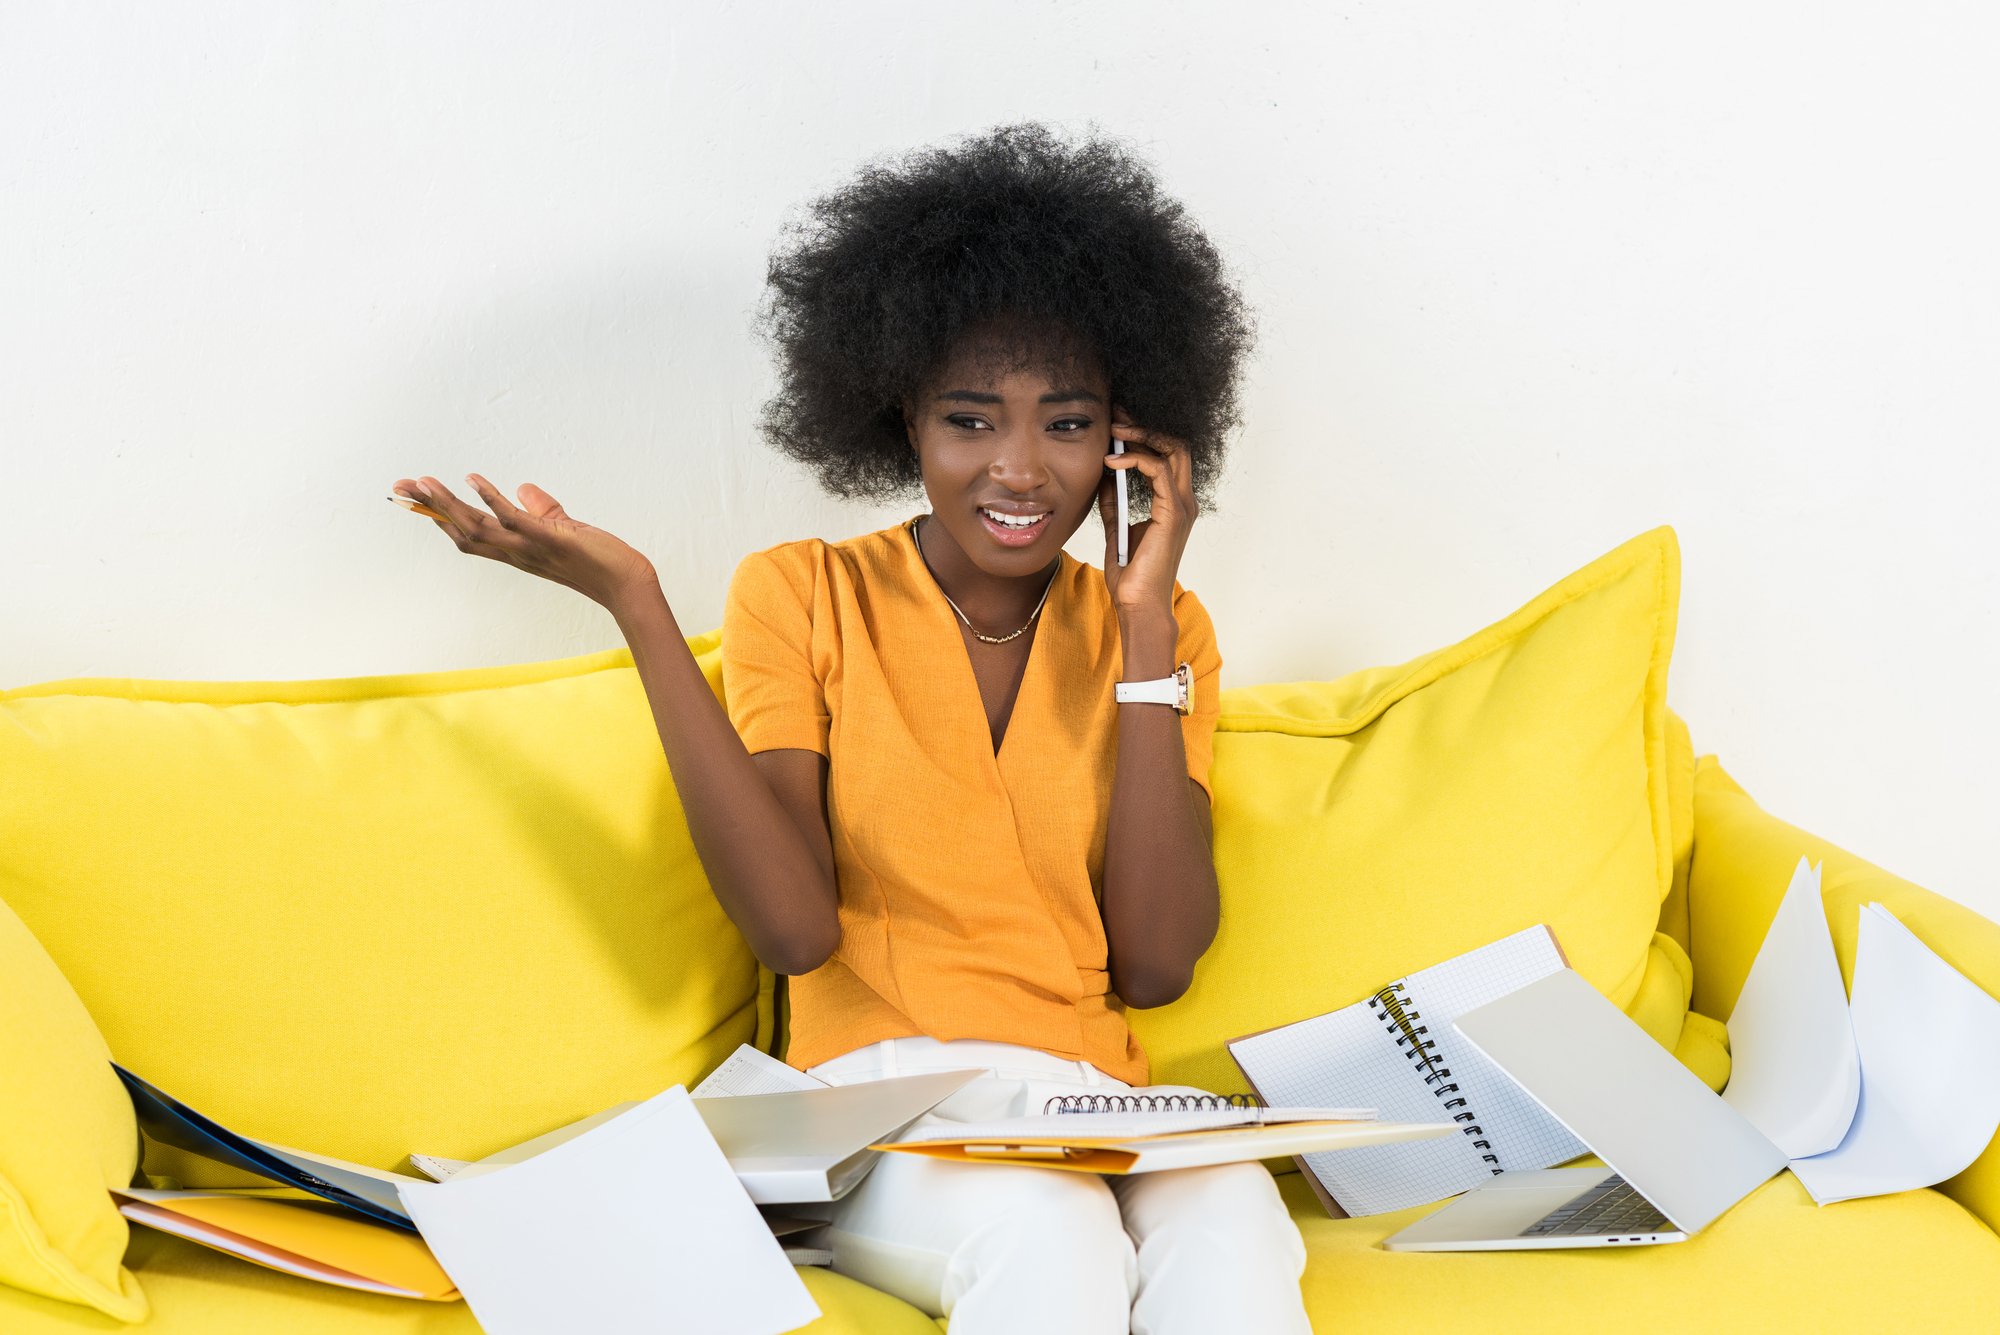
469	913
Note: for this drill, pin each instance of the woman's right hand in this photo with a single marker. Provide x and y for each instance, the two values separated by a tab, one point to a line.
536	536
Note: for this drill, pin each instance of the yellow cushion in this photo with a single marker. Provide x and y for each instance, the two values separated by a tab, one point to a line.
66	1134
197	1291
1776	1262
1680	802
365	916
1393	818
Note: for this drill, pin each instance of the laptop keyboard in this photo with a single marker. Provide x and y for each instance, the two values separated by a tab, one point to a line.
1611	1207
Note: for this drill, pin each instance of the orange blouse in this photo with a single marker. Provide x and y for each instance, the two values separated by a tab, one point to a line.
969	882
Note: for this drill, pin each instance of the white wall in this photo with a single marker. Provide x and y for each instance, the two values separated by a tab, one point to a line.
1533	277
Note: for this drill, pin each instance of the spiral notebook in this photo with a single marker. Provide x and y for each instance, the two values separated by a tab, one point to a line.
1396	1051
1243	1109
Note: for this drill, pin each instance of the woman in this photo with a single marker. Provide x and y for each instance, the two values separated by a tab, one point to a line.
926	803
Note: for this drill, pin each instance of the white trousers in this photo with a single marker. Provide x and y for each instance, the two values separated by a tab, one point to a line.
1009	1249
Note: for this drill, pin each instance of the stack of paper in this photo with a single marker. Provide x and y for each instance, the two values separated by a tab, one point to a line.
1151	1142
817	1144
787	1147
789	1138
1897	1089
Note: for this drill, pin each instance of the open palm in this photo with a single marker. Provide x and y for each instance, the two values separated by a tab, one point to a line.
537	536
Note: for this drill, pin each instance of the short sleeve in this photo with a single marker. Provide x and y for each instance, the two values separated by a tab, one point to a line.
773	694
1196	646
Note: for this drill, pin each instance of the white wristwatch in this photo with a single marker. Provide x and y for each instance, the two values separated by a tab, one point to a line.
1159	691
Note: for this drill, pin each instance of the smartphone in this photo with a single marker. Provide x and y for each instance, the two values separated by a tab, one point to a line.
1124	507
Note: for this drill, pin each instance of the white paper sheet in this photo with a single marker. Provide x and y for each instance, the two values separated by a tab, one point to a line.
438	1168
749	1070
1929	1042
1794	1073
636	1225
441	1169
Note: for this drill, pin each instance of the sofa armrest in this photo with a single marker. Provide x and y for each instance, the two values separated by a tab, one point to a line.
1743	861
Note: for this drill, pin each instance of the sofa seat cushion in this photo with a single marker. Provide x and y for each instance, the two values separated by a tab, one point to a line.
197	1291
442	912
1777	1262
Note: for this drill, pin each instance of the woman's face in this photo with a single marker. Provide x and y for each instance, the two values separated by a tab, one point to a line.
1021	446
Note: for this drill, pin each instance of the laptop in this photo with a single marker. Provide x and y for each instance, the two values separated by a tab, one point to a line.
1677	1155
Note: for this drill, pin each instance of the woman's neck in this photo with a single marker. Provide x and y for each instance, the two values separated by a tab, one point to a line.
990	601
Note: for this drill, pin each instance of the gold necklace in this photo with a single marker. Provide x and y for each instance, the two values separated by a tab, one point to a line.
990	639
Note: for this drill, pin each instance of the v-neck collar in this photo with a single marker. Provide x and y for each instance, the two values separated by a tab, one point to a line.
1026	694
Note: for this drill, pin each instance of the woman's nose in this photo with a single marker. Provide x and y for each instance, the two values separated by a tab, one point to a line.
1019	463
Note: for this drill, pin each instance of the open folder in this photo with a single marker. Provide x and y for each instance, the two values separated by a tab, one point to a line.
289	1230
367	1192
1141	1142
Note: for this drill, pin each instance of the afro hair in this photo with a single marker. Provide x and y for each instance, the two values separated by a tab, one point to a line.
1011	244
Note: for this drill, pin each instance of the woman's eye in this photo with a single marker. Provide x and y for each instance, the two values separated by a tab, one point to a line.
1072	425
965	423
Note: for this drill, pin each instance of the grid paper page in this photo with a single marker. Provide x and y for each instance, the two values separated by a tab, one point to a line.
1348	1056
1351	1056
1522	1134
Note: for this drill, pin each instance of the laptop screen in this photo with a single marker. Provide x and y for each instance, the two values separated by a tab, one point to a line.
1622	1094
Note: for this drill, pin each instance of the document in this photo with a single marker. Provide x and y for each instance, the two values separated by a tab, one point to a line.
750	1070
440	1169
637	1224
1893	1089
1795	1074
1131	1143
1929	1046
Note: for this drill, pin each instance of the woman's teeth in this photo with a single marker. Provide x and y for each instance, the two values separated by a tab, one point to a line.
1013	521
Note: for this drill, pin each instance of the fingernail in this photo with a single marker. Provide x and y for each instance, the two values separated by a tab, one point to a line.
425	490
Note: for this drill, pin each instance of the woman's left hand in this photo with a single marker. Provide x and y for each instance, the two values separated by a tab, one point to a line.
1155	545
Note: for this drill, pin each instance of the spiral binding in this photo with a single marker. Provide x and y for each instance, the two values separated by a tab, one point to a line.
1100	1103
1399	1018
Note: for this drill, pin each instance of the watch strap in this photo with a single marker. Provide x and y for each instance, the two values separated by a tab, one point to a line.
1174	690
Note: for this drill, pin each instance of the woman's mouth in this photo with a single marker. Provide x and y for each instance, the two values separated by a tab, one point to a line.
1013	530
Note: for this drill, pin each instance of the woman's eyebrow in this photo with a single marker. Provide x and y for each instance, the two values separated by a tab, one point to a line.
1053	396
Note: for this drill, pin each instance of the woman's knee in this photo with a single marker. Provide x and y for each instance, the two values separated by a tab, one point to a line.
1057	1230
1229	1205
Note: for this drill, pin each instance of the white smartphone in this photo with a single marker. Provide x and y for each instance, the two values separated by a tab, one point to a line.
1124	508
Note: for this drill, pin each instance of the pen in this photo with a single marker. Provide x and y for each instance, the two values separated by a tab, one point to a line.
418	506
